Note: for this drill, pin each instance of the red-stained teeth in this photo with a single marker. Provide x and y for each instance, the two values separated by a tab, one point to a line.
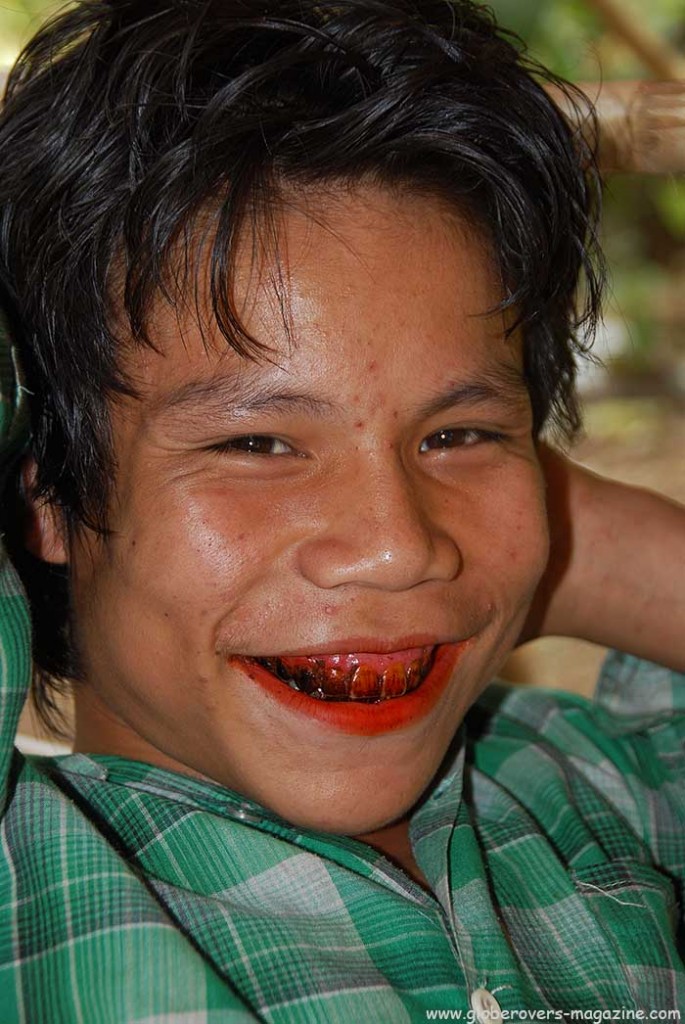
305	680
414	674
365	684
348	678
337	682
394	681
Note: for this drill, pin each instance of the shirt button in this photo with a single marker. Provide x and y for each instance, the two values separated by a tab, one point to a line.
244	814
485	1007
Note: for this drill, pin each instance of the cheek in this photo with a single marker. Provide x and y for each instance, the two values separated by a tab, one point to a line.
166	572
196	540
526	550
198	569
509	532
212	543
527	535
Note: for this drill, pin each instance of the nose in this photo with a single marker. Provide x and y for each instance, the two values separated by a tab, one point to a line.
379	530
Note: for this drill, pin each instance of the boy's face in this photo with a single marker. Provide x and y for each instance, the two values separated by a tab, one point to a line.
371	496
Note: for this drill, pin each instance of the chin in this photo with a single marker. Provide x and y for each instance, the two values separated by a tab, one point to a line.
352	809
357	824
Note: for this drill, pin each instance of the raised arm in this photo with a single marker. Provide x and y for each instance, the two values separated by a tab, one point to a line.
616	574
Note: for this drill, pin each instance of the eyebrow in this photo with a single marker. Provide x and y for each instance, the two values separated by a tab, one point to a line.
504	384
226	393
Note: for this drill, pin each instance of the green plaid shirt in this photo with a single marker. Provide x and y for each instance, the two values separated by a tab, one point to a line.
553	841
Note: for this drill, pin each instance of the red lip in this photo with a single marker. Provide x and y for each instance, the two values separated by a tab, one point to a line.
356	717
369	645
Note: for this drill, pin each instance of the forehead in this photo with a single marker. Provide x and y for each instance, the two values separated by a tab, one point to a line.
358	275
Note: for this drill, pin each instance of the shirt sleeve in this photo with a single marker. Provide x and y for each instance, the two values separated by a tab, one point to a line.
634	696
640	706
15	665
15	629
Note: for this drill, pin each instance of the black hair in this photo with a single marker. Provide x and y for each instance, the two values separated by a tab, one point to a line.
127	120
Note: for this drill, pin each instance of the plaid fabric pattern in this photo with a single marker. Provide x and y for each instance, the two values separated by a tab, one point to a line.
553	841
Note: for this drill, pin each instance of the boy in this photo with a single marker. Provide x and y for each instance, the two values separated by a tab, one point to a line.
292	288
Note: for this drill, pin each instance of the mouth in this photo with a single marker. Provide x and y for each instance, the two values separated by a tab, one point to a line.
364	678
361	694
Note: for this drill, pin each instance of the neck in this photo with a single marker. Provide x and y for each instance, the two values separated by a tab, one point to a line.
394	843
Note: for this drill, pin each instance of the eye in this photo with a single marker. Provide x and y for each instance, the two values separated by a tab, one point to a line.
458	437
254	444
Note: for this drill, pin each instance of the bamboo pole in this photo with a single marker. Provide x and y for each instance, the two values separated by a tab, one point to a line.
657	55
641	124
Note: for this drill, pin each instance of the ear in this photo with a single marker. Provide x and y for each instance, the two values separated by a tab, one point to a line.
44	530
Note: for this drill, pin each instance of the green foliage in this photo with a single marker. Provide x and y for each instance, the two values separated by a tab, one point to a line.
670	202
557	33
18	21
521	16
